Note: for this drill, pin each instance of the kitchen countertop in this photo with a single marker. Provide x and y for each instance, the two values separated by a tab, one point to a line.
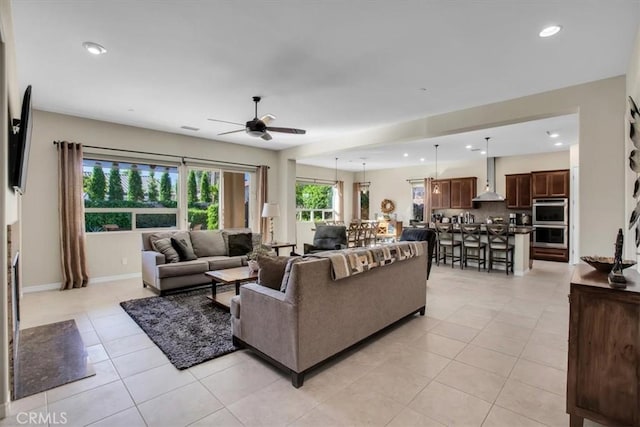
518	229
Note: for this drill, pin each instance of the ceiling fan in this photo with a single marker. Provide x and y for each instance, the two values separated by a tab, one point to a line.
258	127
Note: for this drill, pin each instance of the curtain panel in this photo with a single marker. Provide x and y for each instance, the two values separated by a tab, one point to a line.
71	213
340	201
262	190
427	200
356	201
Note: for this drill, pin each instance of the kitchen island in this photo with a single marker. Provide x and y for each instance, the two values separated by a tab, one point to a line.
521	241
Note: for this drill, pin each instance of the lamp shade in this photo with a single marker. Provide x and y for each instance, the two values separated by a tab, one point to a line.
270	210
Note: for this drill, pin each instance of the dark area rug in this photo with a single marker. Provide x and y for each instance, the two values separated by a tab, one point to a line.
49	356
187	327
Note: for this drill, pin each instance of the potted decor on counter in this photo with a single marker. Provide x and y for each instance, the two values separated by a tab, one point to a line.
257	251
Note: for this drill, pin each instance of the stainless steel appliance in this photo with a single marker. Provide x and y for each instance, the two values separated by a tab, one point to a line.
550	212
551	236
551	223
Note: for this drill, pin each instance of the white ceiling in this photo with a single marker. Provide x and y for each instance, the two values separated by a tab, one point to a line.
328	67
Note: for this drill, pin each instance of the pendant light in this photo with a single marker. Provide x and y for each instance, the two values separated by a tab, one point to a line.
336	171
436	188
364	185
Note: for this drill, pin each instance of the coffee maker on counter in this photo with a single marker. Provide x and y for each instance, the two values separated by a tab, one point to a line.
512	218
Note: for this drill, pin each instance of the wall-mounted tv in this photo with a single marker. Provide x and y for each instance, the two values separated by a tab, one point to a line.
20	143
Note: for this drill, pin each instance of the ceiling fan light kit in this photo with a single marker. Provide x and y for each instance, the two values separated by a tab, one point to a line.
259	127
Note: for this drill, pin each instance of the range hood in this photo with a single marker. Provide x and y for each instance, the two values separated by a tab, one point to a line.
489	195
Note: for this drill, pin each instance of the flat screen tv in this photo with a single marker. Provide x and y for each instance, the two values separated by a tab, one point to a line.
19	147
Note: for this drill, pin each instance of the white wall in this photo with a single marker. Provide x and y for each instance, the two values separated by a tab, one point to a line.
9	203
633	90
105	251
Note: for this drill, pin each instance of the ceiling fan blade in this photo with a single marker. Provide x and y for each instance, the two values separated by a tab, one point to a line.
267	118
266	137
224	121
232	131
288	130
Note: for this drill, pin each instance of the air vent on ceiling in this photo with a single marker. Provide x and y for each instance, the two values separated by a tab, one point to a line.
189	128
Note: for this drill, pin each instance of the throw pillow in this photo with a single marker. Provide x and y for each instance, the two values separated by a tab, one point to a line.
271	271
165	248
287	272
240	244
183	249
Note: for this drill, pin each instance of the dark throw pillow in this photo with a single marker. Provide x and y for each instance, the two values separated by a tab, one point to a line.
184	251
240	244
165	247
271	271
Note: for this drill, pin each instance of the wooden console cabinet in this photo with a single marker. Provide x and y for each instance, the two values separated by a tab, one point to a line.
603	376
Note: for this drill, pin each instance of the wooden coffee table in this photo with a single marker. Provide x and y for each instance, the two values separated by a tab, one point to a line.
229	276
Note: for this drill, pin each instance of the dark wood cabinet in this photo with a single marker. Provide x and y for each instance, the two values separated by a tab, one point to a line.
463	190
603	375
518	191
443	199
550	183
550	254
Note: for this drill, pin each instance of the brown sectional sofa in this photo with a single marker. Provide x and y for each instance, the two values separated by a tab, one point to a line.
210	246
317	317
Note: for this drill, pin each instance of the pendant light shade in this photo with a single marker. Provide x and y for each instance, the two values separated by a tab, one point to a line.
436	188
364	185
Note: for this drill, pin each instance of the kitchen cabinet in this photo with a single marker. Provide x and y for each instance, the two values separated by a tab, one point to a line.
518	189
463	190
550	183
443	199
603	375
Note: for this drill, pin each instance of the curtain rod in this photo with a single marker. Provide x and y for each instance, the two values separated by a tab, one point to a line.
173	156
412	180
314	180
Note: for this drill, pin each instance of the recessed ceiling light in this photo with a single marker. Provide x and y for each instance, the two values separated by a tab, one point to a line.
406	154
553	134
468	147
422	159
483	152
558	144
94	48
423	89
549	31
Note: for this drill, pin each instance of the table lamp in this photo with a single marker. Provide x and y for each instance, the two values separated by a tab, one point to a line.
271	210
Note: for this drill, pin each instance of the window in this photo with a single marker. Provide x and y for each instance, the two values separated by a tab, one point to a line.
203	199
314	202
128	196
417	196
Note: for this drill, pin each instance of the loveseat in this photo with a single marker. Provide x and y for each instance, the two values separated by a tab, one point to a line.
317	317
211	249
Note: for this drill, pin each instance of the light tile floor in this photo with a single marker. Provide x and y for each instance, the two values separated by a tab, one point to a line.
491	351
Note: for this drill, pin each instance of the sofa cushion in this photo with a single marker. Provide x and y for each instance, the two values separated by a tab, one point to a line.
208	243
183	269
165	247
234	307
240	244
184	251
287	272
271	271
222	262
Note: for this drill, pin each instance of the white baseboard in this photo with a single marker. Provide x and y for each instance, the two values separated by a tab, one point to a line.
92	281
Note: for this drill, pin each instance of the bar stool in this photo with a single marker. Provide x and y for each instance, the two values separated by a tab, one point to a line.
446	240
471	243
498	236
